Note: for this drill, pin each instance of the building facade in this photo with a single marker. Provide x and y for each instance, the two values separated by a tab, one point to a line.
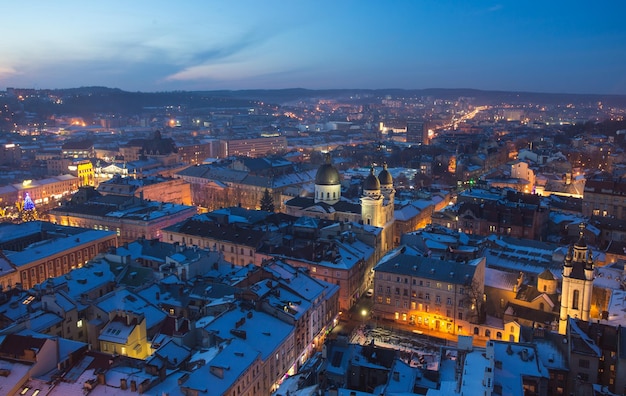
577	283
440	295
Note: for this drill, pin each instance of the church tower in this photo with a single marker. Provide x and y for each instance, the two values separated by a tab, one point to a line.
577	282
372	201
327	183
386	189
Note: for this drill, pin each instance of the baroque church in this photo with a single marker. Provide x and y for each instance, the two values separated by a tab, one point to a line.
374	208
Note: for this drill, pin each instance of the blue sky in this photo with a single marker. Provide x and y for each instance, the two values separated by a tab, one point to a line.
136	45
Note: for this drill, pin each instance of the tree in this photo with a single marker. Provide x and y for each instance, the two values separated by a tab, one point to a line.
475	300
267	201
28	210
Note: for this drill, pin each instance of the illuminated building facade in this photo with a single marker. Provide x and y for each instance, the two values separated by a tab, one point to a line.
439	295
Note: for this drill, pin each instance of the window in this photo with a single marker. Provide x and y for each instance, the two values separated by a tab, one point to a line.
438	299
397	291
427	297
460	315
575	298
388	301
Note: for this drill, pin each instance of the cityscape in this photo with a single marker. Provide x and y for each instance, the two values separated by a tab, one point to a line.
377	241
313	199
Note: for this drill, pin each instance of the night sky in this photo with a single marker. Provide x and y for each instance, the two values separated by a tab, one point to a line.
136	45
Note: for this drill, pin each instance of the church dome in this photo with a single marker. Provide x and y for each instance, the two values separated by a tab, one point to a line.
371	182
384	176
327	174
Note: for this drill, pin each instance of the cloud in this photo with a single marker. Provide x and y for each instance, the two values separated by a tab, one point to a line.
7	71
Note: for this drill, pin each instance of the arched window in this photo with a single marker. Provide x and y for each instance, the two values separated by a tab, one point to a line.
487	333
475	330
499	335
545	288
575	298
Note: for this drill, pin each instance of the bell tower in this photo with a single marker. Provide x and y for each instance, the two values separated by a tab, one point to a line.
577	282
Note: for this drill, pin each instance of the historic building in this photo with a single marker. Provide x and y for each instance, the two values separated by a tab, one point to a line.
577	286
34	251
375	206
439	295
604	196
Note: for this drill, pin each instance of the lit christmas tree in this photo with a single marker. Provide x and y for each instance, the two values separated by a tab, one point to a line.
28	212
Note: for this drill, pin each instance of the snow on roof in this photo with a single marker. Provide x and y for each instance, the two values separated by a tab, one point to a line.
405	379
608	277
53	247
116	331
81	280
218	375
174	353
16	374
474	369
127	301
263	332
66	346
504	280
574	329
517	361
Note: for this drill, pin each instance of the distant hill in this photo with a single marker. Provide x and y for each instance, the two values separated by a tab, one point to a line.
92	100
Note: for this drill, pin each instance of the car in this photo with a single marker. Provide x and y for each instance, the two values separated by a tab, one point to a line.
369	293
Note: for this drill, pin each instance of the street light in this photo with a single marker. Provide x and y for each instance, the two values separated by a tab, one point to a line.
364	314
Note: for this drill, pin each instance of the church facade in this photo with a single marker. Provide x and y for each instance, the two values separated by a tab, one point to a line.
375	206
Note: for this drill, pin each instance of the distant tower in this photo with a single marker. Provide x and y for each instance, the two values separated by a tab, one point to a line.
327	183
577	282
372	201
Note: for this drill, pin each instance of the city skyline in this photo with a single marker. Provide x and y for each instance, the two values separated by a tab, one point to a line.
554	47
